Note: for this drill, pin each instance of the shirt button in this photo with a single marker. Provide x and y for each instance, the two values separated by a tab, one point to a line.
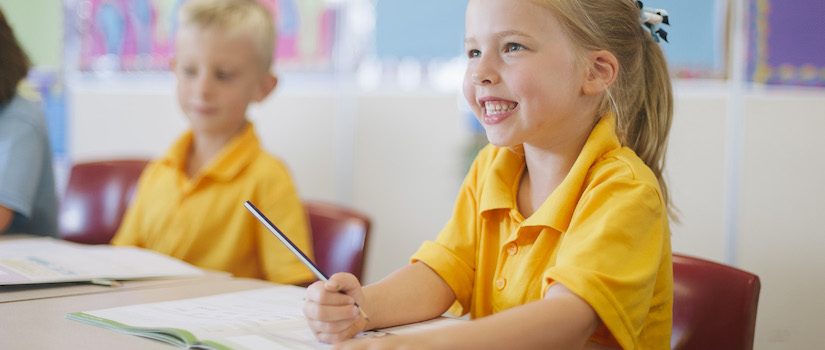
512	248
500	283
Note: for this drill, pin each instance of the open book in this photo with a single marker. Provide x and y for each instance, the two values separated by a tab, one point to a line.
50	260
266	318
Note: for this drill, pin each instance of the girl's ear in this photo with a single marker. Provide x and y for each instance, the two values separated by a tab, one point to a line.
603	70
268	84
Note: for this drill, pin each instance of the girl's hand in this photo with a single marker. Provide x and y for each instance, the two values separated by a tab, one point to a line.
332	316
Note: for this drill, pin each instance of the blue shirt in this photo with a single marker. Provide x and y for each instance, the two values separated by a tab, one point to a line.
26	173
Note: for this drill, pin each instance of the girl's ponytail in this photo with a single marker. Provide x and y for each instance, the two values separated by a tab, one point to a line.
641	96
646	129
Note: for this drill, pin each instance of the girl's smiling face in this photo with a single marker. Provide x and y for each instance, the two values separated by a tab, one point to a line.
523	81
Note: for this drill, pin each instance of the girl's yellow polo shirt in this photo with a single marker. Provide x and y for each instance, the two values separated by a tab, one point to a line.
603	233
202	220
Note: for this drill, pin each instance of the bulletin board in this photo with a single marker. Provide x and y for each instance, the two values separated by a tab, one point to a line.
786	43
697	34
416	29
137	35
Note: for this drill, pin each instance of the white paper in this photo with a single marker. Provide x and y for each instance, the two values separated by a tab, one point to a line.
266	318
48	260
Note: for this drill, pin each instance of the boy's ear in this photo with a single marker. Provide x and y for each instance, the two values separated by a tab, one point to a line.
268	84
603	68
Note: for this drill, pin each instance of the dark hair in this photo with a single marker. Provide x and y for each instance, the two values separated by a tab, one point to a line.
14	64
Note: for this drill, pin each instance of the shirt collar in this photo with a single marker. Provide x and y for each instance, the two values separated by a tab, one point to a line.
501	184
235	155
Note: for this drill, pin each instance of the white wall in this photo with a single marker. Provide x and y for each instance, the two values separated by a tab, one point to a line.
783	206
408	160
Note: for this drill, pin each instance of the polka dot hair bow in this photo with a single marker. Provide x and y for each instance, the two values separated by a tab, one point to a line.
652	19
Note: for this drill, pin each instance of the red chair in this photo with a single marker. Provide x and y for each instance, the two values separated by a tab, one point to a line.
339	237
96	198
714	305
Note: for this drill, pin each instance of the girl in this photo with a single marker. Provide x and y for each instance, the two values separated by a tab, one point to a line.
28	201
559	237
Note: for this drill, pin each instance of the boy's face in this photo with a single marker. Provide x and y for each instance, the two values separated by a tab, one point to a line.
217	78
521	81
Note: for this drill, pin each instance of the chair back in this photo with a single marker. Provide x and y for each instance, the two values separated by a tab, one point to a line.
714	305
96	198
339	237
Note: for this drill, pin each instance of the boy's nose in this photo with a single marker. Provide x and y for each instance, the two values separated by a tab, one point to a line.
204	85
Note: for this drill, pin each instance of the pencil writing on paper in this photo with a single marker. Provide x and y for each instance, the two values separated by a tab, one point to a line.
294	249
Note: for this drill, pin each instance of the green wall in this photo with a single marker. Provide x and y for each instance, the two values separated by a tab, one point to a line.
37	25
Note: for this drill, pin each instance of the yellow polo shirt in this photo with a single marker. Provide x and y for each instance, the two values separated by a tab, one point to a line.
603	233
202	220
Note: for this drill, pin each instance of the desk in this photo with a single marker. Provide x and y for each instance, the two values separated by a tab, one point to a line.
42	324
22	292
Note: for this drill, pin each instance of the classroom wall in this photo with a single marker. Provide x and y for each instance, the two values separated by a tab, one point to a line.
408	158
400	157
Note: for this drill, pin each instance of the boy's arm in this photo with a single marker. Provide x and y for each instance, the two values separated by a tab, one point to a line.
284	207
130	231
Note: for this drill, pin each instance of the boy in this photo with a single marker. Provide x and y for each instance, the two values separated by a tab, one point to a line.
189	204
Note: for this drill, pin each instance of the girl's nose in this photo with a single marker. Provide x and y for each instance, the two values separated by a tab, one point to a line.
483	75
479	80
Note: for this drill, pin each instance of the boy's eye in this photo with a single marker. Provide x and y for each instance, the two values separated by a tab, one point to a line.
223	75
189	71
473	53
513	47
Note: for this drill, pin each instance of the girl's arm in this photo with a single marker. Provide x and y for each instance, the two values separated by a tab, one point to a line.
6	215
410	294
561	320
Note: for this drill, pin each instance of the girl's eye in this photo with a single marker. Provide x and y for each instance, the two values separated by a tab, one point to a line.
473	53
513	47
189	71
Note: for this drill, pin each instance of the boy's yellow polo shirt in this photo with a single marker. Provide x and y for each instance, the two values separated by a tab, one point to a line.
202	219
603	233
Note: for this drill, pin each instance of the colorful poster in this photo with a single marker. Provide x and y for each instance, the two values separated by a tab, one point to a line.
137	35
46	86
786	45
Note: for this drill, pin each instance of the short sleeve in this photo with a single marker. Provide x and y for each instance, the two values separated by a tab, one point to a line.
21	161
625	223
286	210
453	254
129	232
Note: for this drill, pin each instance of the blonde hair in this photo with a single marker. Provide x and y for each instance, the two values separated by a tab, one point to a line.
236	18
642	95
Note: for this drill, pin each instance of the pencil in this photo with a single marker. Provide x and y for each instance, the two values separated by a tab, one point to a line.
294	249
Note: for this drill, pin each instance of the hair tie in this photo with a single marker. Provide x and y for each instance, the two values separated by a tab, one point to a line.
652	18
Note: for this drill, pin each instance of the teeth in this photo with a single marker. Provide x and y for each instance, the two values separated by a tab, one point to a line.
496	107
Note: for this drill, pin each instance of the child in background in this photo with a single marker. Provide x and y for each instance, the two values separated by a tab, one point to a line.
559	238
189	204
28	202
